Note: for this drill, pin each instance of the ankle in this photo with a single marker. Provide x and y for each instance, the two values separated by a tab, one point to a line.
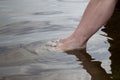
80	41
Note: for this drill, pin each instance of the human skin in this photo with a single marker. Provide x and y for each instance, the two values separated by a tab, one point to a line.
95	16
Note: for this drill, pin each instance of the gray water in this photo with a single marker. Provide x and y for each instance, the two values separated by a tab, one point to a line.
25	28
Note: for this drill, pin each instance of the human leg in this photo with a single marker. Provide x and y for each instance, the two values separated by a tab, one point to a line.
94	17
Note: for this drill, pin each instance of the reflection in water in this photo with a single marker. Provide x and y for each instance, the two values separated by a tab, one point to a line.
93	67
113	30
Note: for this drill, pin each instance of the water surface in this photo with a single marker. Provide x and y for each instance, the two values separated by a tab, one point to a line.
25	28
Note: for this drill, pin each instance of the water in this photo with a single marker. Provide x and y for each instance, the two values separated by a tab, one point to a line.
25	28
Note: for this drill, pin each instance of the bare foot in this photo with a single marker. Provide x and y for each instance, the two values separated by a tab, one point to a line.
70	44
59	42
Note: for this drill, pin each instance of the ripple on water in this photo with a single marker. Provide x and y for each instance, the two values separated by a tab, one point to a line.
48	13
73	1
44	62
28	27
24	27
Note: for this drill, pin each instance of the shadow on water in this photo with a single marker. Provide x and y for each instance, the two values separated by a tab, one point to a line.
112	28
93	67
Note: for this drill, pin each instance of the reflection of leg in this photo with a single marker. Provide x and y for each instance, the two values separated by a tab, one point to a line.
92	67
112	28
95	15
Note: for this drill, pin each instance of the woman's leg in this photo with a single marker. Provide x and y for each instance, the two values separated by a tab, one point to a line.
94	17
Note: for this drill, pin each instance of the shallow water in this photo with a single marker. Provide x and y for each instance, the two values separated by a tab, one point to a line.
25	28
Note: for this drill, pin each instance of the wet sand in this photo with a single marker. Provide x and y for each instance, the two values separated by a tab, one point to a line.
25	28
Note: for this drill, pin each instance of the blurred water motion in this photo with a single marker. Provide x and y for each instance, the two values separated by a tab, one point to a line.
25	28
